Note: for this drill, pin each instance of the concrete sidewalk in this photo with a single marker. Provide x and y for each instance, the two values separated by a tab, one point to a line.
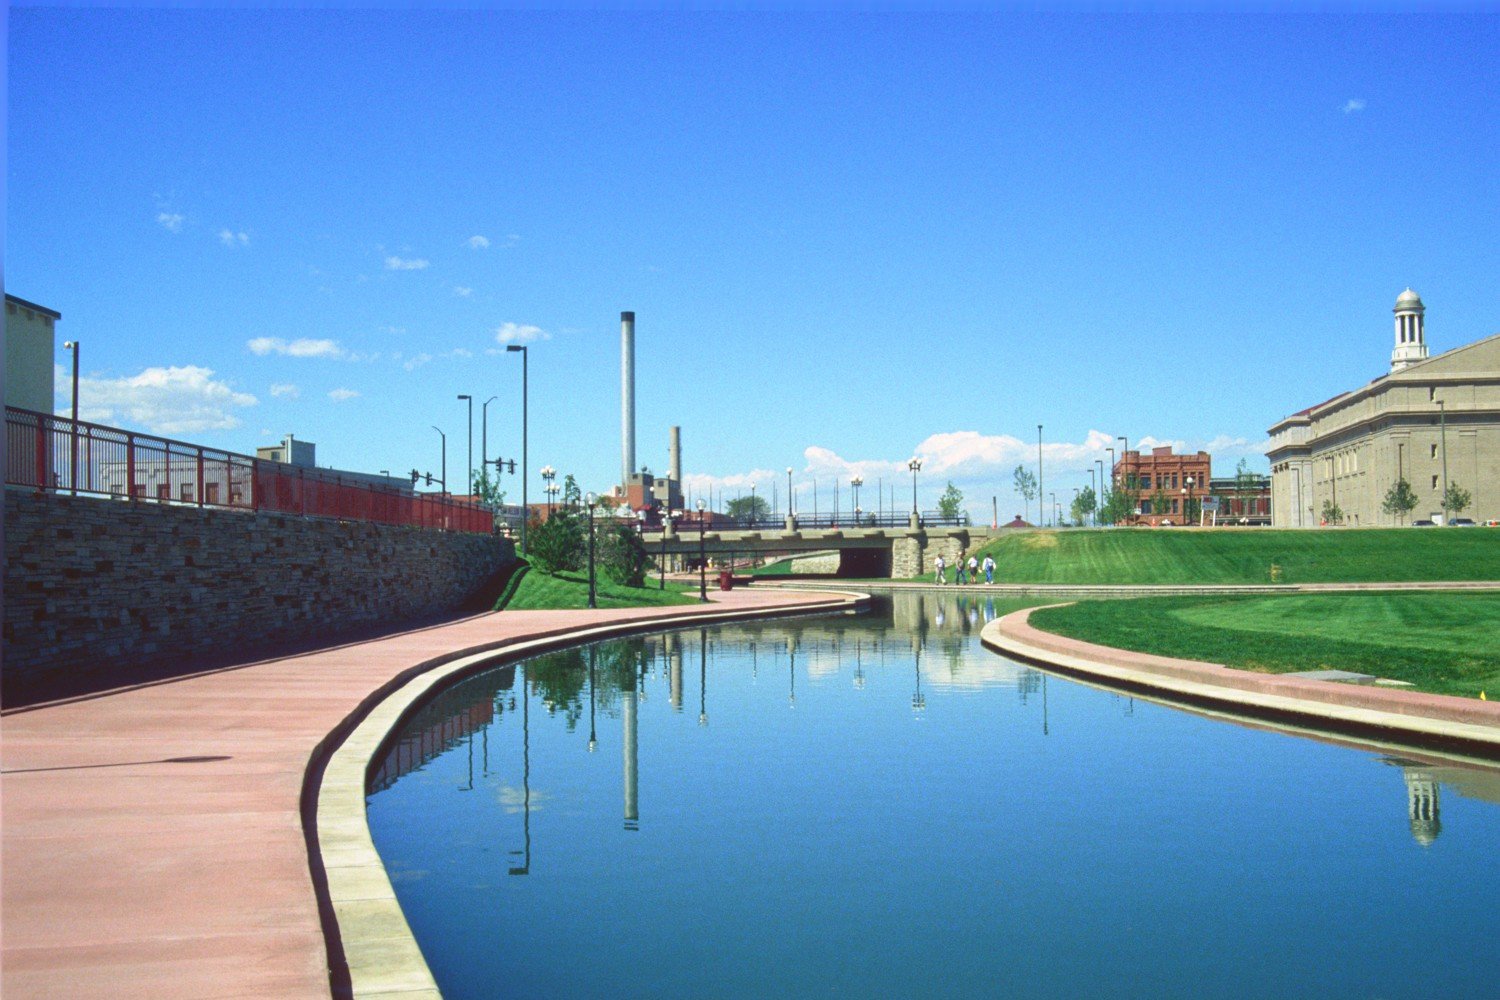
153	838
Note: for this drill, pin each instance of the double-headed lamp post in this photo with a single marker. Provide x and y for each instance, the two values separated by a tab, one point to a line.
856	482
915	465
591	500
702	558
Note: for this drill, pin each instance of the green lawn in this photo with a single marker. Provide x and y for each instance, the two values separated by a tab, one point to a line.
1208	555
1446	643
538	591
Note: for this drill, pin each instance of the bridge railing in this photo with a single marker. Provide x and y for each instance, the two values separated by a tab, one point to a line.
690	523
52	453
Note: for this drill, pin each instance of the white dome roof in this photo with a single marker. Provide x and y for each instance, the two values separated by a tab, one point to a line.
1408	298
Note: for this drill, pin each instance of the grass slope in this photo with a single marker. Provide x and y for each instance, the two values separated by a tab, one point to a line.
538	591
1443	643
1194	555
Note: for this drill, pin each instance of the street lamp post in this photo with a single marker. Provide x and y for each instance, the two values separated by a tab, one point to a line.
856	482
469	464
72	345
669	519
1443	435
443	479
1100	462
702	558
1041	484
484	435
753	508
592	499
1054	509
791	510
549	474
525	510
1185	519
915	465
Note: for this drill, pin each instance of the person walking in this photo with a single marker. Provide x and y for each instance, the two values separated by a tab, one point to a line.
960	577
941	567
973	570
989	570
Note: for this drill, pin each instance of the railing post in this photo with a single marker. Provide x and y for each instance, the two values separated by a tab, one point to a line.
200	477
41	454
130	466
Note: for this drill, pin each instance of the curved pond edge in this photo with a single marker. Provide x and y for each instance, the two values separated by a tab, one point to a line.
371	948
1391	718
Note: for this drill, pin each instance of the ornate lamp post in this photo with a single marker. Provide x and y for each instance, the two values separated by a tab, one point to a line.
591	500
856	482
915	465
702	559
1185	518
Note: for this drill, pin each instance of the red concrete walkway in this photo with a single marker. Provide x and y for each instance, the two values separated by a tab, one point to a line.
153	841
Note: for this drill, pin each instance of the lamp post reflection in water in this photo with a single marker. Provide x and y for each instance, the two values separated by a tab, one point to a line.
632	774
525	867
593	736
703	677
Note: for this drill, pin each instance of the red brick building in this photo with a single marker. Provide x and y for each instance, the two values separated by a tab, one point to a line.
1163	485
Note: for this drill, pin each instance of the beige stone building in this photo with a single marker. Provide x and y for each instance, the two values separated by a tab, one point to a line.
30	346
1426	415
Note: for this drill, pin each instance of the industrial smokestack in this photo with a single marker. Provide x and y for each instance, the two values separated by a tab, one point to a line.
627	396
674	455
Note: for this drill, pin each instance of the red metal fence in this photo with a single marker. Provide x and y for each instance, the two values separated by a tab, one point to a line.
48	452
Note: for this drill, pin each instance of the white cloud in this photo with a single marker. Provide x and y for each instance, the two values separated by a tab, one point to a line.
520	333
401	264
286	389
301	348
393	330
477	243
232	239
462	292
459	352
170	222
1354	104
172	401
416	361
339	395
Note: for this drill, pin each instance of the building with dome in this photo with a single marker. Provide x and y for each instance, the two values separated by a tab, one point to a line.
1429	420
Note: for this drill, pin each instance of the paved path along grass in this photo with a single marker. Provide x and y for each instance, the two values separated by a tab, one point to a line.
153	838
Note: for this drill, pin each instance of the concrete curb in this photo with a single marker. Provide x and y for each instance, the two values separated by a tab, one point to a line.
1428	721
381	955
1064	590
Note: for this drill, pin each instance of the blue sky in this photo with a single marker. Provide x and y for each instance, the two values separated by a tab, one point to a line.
847	238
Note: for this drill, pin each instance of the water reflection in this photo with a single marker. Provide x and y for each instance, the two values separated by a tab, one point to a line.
922	719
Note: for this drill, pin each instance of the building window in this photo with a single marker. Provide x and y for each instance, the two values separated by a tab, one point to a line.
1432	394
1145	506
1146	481
1434	482
163	491
1433	452
185	493
210	492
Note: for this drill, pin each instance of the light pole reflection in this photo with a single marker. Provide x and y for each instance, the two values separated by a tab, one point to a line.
632	763
702	677
525	867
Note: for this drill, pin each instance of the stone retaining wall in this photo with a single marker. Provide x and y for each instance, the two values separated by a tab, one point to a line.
912	555
98	586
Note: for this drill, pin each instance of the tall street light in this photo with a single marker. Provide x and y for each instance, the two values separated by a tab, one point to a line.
753	511
525	510
915	465
790	507
702	558
1041	483
484	434
470	463
1099	497
1443	435
591	500
72	345
443	479
856	482
549	474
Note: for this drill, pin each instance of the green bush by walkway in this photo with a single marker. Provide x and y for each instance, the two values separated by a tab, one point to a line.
1445	643
538	591
1209	555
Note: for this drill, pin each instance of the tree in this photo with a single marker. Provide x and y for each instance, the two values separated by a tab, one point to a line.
752	506
1084	504
572	496
1332	513
1456	499
620	553
558	543
1400	499
951	502
487	489
1161	504
1026	486
1246	485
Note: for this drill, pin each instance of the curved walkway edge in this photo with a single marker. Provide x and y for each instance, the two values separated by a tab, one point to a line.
1433	721
203	836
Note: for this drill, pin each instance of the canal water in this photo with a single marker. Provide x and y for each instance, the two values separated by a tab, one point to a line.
876	806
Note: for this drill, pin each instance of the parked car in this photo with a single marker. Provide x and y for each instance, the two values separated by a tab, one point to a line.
1462	522
1423	523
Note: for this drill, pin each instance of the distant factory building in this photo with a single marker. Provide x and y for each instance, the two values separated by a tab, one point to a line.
30	348
1429	420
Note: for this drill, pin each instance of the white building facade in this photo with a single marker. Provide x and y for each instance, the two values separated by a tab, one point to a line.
1430	420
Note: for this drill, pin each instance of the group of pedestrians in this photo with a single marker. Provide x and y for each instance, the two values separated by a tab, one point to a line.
965	572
